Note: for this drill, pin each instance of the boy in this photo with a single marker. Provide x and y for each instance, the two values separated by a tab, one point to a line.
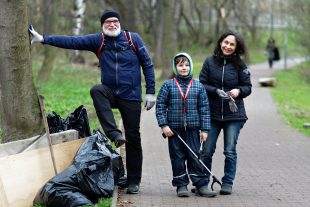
182	105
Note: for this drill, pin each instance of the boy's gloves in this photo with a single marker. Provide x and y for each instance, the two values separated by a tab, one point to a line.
167	132
203	137
150	100
222	94
35	36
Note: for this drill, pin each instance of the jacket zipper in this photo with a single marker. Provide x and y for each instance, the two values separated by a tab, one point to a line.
223	71
116	69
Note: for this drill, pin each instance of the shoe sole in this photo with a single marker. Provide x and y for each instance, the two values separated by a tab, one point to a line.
207	195
132	192
193	190
225	193
183	195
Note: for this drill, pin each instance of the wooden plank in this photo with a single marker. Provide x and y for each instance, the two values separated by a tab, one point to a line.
64	154
24	174
3	199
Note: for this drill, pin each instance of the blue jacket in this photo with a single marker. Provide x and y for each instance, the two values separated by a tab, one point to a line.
119	64
169	105
220	73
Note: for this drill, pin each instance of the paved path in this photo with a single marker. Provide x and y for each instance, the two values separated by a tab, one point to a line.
273	160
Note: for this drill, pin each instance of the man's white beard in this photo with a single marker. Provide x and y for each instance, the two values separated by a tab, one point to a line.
109	33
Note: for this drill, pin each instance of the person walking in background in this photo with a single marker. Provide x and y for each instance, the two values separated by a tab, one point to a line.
270	51
226	79
182	107
121	54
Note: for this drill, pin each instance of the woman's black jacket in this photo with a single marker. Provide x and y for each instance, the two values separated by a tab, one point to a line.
222	73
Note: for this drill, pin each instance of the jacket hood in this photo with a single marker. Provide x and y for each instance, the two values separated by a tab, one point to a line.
190	63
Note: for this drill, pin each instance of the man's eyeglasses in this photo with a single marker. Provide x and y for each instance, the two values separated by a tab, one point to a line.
108	22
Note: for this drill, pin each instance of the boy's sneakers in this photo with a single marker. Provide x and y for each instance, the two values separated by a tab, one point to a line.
206	192
182	191
133	189
226	189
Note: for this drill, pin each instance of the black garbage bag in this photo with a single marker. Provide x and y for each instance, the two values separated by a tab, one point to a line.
117	162
55	123
89	178
77	120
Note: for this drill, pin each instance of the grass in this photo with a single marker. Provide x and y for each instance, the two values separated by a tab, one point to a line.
101	203
68	87
292	96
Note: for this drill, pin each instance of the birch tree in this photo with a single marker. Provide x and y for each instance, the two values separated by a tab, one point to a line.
79	13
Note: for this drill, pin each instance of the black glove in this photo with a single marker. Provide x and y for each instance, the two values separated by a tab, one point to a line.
222	94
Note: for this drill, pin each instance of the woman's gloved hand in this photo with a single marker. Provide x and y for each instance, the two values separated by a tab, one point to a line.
232	106
222	94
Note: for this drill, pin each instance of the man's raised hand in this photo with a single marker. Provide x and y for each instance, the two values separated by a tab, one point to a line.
35	36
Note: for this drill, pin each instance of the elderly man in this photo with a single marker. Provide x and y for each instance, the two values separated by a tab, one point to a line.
121	55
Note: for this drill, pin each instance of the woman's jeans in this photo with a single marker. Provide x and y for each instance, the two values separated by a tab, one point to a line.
231	131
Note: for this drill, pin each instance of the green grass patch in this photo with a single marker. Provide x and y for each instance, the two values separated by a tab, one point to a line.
103	202
292	96
68	87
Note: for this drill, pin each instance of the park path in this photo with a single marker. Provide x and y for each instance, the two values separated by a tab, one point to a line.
273	160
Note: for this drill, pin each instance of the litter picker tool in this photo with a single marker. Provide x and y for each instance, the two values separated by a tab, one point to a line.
214	178
49	141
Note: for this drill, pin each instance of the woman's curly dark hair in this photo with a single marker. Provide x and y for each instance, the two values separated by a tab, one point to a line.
241	49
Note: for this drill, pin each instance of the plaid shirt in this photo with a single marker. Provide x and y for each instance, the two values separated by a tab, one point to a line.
170	105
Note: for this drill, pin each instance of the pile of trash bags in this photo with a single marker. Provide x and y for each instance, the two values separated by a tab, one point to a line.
77	120
95	170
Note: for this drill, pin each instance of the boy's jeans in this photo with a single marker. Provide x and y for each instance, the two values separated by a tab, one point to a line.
231	131
181	158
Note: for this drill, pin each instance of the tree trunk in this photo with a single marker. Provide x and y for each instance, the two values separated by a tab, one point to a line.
168	30
20	111
127	10
79	13
49	24
159	34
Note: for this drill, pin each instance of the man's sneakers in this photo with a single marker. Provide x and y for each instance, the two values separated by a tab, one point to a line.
226	189
119	141
206	192
182	191
133	189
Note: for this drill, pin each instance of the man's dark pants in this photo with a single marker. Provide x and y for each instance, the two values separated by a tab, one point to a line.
104	101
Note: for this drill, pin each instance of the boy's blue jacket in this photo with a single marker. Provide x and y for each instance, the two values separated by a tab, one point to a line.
119	64
170	105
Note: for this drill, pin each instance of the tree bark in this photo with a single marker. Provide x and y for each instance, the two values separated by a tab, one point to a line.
166	45
20	111
79	13
127	10
49	24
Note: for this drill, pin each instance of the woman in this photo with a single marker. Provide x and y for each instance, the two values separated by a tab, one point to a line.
227	81
270	48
